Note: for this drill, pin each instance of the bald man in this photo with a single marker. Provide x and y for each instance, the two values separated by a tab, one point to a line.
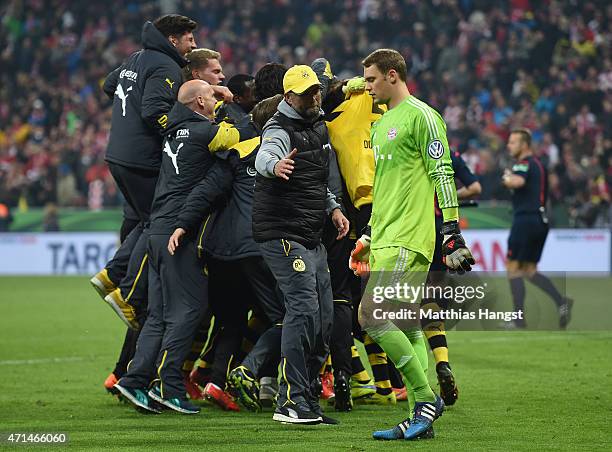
177	285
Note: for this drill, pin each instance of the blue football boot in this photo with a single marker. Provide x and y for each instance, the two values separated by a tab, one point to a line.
425	413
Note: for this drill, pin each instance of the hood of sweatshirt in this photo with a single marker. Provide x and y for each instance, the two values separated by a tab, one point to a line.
153	39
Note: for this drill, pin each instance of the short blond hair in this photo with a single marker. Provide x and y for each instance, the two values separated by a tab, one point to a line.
198	59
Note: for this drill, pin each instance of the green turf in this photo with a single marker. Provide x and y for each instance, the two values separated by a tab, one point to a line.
519	391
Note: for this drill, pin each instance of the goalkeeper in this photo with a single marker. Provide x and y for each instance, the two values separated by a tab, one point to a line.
412	163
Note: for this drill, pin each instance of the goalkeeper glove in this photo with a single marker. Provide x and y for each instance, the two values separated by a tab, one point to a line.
455	254
354	85
359	262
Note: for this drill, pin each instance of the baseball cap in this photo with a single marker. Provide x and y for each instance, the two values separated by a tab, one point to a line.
299	78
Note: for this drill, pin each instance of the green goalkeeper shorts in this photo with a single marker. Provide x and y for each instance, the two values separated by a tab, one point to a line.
397	276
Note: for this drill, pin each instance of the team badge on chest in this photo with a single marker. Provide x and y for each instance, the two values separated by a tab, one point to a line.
299	265
392	133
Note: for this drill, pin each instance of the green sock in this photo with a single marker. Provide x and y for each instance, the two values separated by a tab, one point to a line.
410	397
399	348
409	394
418	343
420	348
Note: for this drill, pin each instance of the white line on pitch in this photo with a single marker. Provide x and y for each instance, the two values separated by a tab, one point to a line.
18	362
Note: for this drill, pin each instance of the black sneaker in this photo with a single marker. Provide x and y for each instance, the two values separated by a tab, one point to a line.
328	420
342	389
565	312
448	388
316	409
296	413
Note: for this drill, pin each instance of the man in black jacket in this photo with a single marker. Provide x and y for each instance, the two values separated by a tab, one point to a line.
205	64
143	90
177	285
290	204
232	255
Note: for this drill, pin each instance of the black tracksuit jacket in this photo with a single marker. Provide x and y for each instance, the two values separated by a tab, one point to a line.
144	89
189	160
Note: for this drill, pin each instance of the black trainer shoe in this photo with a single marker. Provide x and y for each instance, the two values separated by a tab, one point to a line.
328	420
316	409
342	389
448	387
296	413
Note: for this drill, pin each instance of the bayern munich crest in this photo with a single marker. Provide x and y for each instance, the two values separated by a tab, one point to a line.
392	133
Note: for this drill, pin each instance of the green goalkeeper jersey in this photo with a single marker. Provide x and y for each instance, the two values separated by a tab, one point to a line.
412	163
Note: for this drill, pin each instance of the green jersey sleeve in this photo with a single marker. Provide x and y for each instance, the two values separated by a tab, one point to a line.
431	140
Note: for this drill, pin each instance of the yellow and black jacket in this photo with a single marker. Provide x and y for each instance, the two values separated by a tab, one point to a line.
349	127
188	160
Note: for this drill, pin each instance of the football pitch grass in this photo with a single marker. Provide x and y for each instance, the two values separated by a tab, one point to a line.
518	390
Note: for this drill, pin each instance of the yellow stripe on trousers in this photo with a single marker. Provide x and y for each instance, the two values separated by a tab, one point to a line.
142	264
161	382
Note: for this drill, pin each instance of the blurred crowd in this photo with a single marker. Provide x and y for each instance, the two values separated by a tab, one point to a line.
486	66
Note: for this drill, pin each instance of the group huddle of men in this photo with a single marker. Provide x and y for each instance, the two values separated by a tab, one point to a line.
268	211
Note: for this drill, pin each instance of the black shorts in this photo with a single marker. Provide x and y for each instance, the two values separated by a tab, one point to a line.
527	237
338	254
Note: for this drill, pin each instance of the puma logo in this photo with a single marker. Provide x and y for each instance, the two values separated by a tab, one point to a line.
122	96
173	156
170	82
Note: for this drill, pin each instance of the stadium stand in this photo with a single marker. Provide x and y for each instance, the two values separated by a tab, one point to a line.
486	66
